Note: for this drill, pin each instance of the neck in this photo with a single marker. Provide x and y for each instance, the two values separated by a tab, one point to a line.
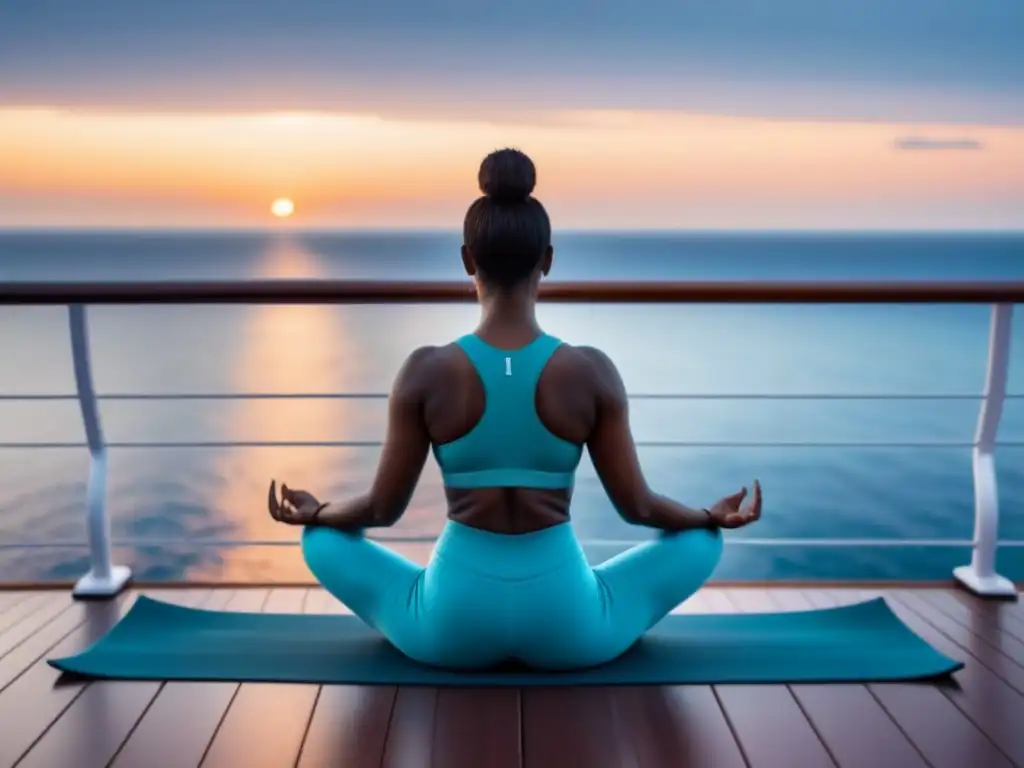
509	315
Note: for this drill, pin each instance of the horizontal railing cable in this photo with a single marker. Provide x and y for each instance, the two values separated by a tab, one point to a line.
430	539
128	396
639	443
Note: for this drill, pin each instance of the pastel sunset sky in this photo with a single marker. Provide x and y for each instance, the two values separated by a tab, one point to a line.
659	114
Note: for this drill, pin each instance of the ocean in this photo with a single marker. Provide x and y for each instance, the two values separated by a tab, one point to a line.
185	512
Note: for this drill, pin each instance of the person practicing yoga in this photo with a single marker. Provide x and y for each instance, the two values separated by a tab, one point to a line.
507	410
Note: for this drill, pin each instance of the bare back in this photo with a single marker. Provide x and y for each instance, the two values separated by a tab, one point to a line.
566	403
579	398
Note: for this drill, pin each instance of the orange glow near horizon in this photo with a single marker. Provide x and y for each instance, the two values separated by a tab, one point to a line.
605	168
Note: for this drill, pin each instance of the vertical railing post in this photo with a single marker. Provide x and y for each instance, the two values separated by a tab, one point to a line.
103	578
980	576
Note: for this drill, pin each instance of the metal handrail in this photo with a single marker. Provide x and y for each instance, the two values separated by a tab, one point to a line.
105	579
434	292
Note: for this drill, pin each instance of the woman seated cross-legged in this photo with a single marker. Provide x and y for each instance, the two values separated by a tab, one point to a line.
507	410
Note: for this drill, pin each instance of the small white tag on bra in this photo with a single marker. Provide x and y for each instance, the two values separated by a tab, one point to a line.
508	366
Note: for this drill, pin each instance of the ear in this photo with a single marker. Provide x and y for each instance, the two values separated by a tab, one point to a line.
545	262
468	262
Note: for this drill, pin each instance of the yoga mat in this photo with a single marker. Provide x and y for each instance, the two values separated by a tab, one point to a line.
160	641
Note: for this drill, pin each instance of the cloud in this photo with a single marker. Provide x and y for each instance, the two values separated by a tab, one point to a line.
923	142
869	60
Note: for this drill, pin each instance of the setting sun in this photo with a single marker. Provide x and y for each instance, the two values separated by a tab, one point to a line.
282	207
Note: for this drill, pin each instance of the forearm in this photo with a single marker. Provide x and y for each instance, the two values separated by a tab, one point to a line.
663	513
356	513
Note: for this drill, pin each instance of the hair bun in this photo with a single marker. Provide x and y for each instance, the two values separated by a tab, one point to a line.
507	175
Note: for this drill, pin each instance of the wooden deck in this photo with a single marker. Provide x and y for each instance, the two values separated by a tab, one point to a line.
976	722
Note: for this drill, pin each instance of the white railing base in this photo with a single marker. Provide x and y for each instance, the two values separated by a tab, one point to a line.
92	587
993	585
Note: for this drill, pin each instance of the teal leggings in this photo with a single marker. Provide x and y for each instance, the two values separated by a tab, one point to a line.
486	598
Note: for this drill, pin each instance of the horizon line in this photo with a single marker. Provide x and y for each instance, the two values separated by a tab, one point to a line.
409	230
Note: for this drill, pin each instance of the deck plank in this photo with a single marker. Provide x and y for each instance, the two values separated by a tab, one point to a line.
349	726
939	730
858	730
14	663
999	612
646	726
1001	653
703	732
9	598
30	621
1016	607
478	726
410	738
680	726
570	726
89	732
713	600
695	604
791	599
178	726
319	601
265	723
48	720
16	613
979	693
992	683
1001	630
772	729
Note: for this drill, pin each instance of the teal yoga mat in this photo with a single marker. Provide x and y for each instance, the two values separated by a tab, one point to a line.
160	641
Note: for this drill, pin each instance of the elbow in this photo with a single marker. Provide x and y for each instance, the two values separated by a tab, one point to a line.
637	508
383	513
384	518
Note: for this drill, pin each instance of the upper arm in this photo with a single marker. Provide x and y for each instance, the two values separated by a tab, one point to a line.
406	442
611	444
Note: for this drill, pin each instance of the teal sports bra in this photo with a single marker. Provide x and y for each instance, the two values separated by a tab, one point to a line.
509	447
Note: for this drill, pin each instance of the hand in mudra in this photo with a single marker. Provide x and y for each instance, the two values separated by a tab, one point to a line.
295	507
731	512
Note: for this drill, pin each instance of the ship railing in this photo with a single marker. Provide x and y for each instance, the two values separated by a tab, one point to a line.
106	579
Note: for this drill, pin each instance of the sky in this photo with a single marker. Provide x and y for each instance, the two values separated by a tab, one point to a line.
660	114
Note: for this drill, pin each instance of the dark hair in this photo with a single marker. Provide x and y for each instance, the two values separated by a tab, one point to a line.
507	231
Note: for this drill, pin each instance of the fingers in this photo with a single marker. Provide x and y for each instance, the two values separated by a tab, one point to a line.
752	512
275	510
283	511
737	498
755	506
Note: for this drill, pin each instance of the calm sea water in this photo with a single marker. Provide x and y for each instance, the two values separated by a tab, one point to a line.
185	512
